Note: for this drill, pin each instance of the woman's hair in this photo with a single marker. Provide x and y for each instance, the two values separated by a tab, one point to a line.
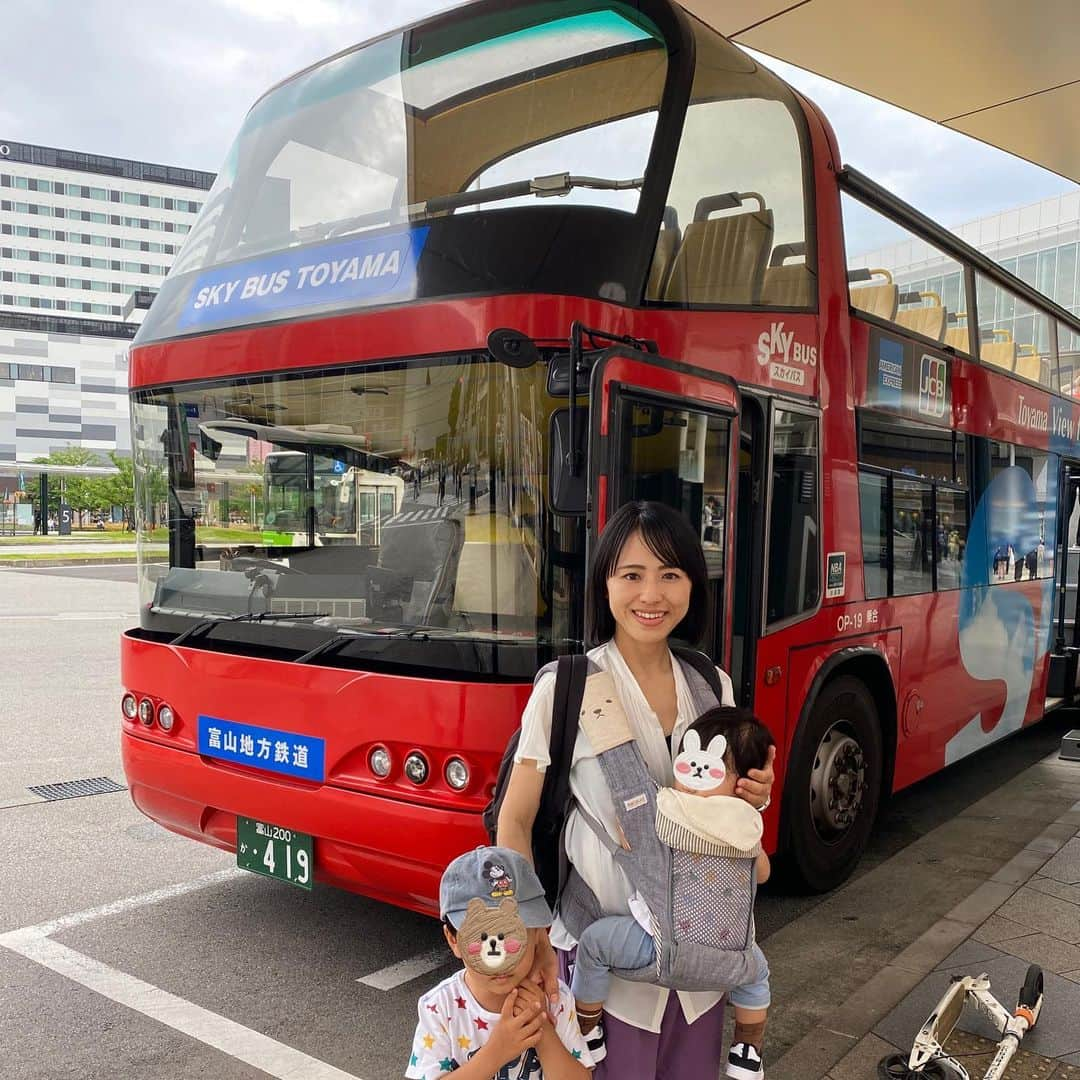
671	538
748	739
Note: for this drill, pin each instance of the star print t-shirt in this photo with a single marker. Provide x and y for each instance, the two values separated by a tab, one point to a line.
453	1027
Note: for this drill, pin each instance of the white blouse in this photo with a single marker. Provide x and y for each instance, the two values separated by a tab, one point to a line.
639	1004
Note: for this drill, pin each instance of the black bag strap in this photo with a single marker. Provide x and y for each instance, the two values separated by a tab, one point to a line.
703	666
570	678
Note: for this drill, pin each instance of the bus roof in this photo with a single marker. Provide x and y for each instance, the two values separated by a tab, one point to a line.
1002	73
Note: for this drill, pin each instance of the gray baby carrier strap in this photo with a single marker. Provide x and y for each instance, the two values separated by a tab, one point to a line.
700	895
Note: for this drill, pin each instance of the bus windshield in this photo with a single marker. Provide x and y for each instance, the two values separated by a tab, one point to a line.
375	501
439	125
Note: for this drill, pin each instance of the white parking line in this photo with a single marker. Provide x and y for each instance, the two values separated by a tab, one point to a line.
272	1057
406	970
242	1043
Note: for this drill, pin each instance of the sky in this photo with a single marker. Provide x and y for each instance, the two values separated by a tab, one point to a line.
170	82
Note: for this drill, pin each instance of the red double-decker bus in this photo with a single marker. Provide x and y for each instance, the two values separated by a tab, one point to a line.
528	262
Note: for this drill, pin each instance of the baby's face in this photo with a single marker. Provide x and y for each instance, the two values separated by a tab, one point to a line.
722	787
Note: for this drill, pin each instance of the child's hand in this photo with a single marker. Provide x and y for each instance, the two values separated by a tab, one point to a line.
513	1034
529	998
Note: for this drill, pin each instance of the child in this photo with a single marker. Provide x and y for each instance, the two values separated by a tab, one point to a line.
488	1020
719	747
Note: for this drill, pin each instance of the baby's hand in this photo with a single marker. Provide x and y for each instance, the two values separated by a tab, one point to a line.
623	842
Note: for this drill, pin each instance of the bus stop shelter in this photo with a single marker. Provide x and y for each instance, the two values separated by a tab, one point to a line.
24	470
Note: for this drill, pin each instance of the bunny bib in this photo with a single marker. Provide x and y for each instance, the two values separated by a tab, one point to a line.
691	858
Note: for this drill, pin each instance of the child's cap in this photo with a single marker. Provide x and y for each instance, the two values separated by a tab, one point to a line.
492	874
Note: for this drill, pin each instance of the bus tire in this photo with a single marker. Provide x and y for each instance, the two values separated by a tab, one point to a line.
833	785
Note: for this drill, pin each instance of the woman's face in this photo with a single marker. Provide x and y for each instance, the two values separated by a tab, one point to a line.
647	599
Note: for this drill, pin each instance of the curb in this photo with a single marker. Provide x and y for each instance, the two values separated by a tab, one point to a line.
822	1048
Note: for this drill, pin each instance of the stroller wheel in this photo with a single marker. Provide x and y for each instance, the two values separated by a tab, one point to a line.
895	1067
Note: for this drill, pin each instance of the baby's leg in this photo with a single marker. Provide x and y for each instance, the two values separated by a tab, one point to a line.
751	1007
617	941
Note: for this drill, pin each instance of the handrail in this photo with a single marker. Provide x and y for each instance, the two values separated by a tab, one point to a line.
868	191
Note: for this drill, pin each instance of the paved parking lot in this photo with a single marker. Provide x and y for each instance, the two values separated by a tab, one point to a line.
127	952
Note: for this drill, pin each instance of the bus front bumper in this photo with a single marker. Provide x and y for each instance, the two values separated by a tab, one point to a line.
350	829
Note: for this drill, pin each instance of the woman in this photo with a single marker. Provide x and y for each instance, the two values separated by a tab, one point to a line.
648	582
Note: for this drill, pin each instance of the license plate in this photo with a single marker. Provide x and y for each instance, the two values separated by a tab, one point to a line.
274	851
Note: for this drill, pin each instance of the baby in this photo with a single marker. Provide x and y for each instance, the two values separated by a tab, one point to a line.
722	745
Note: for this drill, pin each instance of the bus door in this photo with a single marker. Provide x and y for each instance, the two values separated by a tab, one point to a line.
1064	657
665	431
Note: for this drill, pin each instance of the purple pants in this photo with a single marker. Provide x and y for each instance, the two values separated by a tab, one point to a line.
679	1051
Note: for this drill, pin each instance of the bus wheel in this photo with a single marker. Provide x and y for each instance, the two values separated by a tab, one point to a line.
833	785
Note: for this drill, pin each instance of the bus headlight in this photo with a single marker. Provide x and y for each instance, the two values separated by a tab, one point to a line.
129	706
166	718
416	767
379	761
146	711
457	774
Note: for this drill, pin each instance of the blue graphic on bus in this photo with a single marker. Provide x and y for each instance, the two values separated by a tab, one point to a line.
364	269
263	748
890	390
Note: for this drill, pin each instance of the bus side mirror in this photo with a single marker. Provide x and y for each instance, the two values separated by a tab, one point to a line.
567	487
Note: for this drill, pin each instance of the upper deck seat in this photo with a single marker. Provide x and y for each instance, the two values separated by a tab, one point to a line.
1030	365
1000	352
667	244
787	285
722	259
880	300
957	337
928	320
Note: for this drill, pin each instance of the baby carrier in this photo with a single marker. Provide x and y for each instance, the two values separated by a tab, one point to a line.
700	893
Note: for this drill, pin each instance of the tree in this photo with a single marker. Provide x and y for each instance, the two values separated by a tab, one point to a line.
120	489
81	493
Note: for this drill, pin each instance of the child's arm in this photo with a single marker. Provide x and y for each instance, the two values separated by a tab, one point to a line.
763	868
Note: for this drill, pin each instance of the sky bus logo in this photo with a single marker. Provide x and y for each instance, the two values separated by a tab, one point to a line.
933	378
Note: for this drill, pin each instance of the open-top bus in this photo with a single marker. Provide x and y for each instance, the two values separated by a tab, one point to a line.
539	259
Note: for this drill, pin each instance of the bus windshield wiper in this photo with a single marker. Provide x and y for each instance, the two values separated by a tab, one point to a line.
543	187
203	627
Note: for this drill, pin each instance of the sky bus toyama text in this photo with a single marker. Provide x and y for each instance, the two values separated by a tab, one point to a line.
881	474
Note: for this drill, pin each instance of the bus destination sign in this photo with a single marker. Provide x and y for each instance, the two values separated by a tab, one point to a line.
365	269
263	748
906	378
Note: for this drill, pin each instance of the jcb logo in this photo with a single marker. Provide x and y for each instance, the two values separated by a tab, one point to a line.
932	386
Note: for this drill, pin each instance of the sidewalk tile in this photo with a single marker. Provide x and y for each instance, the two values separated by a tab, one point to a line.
1024	1065
1065	865
983	902
862	1062
1057	1033
1048	952
1046	913
969	956
1074	976
927	951
1072	1060
1055	888
998	928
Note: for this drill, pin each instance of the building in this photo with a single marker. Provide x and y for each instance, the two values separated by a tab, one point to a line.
79	235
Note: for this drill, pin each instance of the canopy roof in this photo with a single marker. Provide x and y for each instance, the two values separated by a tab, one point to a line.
1002	72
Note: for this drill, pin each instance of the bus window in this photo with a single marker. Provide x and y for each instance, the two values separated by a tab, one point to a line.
794	523
680	457
889	281
1068	361
1021	512
1014	336
913	500
736	231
